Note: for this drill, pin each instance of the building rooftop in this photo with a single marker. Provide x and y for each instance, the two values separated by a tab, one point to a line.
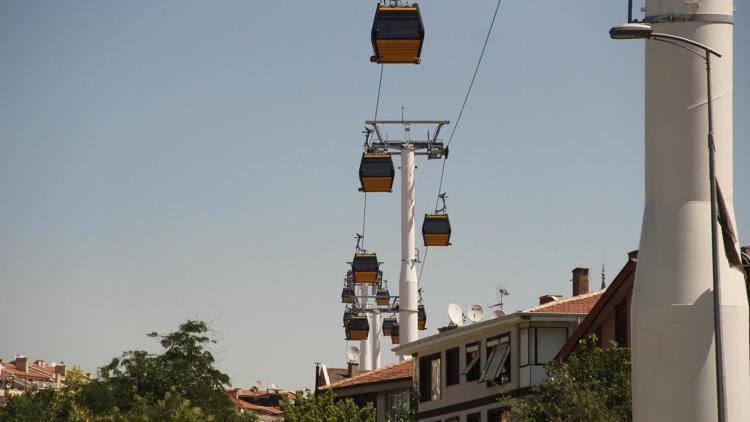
581	304
393	372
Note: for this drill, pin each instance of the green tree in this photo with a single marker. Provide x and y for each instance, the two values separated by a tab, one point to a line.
593	385
323	408
402	413
180	384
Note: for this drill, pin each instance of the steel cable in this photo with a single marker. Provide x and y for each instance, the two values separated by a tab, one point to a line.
458	119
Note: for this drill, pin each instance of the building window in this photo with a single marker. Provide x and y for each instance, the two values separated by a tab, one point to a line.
474	417
473	362
498	415
397	403
451	367
523	342
549	341
621	325
429	378
497	368
453	419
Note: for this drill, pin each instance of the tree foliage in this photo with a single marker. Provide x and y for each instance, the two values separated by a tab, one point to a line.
593	385
180	384
323	408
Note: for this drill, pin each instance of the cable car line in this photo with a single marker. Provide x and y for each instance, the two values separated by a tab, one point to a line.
367	139
458	120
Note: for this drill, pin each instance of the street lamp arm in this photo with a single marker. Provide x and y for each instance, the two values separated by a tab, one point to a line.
662	37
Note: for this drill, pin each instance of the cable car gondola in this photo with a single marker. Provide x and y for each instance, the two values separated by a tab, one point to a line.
397	34
347	295
436	230
388	324
376	172
436	227
357	328
383	297
395	338
347	316
365	267
421	318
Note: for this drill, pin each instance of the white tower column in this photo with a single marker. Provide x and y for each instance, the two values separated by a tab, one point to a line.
674	366
407	286
365	359
376	328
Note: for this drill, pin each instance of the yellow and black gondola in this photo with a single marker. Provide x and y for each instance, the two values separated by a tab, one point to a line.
365	267
395	337
357	328
347	295
397	34
421	318
383	297
388	324
436	230
376	172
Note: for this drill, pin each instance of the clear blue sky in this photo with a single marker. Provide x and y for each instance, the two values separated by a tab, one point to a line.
170	160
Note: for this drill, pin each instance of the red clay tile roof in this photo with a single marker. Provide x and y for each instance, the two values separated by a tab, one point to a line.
10	367
393	372
42	369
581	304
260	410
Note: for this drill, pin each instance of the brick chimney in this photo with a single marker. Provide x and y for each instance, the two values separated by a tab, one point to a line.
353	369
548	298
580	281
60	369
22	363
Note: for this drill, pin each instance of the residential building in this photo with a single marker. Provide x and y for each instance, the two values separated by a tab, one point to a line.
609	319
461	374
20	375
265	403
388	388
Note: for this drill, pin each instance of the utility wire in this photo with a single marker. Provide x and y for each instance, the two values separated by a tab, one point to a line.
458	119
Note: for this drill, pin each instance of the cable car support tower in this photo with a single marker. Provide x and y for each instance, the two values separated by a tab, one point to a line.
408	148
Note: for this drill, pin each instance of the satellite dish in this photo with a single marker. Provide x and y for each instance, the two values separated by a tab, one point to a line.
475	313
456	314
352	353
497	314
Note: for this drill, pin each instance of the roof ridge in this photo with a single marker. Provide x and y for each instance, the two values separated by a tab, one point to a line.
565	300
370	372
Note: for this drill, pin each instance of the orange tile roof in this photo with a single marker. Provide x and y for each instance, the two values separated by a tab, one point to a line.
43	369
393	372
260	410
10	367
581	304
